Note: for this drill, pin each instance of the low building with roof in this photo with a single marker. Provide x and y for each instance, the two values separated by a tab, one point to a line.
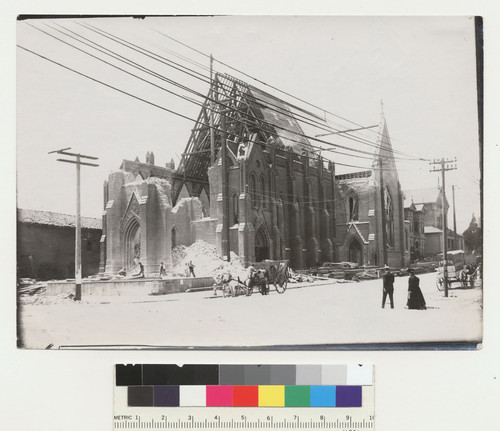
425	207
414	217
46	245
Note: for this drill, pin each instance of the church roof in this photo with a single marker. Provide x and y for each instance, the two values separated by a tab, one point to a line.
56	219
288	125
251	115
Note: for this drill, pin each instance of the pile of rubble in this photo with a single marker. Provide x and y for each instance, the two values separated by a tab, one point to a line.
41	298
206	261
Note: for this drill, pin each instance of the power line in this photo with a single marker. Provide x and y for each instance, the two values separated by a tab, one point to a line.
322	126
144	100
137	48
129	62
268	85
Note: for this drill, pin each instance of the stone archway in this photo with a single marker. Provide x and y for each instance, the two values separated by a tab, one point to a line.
132	241
355	252
261	245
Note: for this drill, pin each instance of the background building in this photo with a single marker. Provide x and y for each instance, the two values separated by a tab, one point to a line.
46	245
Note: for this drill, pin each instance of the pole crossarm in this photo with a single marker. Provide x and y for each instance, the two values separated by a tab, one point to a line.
76	163
66	153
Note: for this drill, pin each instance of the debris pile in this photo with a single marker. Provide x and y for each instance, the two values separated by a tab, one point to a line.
206	261
29	286
41	298
295	277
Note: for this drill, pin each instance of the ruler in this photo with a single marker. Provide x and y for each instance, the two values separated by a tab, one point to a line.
244	418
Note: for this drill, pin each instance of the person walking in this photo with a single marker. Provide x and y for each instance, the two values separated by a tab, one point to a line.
416	299
163	271
191	268
140	274
388	283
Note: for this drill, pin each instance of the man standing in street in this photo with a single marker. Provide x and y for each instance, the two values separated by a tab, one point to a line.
191	268
388	286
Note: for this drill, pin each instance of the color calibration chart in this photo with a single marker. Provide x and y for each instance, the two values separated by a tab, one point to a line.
254	397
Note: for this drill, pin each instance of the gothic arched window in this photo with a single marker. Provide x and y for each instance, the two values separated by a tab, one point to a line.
352	206
235	209
262	190
389	217
253	190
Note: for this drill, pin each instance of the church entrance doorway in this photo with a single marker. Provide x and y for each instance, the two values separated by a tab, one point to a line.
132	245
355	252
261	245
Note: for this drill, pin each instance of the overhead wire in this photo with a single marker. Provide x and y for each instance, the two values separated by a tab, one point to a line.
181	86
319	125
268	85
277	108
144	100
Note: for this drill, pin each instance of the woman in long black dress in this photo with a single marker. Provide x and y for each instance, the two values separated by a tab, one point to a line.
416	299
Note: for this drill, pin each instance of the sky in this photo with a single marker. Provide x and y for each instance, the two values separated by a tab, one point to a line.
422	68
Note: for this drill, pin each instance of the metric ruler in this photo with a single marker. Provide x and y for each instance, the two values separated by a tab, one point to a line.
244	418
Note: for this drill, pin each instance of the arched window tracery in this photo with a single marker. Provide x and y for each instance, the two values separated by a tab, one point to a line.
389	217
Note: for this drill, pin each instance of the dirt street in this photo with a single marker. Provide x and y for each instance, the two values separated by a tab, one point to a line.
335	313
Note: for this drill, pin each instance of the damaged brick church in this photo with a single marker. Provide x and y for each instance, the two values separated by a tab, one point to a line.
251	182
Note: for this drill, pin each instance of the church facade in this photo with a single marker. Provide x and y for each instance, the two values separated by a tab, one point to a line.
251	182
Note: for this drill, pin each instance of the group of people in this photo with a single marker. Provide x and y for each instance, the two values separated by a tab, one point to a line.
189	271
162	270
416	299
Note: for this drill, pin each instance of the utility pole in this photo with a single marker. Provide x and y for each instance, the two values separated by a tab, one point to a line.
455	242
225	189
382	206
444	165
78	230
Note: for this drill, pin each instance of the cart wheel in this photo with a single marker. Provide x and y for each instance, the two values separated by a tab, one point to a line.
440	282
280	283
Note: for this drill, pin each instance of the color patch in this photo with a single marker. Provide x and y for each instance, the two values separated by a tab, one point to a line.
245	396
192	396
334	375
140	396
154	374
297	396
166	396
219	396
271	396
231	375
308	375
128	375
360	374
349	396
282	375
323	396
257	374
